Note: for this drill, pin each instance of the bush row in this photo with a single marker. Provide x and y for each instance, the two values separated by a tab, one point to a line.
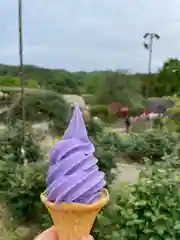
147	210
153	144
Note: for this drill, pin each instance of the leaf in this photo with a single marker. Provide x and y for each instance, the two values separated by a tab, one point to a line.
115	235
160	229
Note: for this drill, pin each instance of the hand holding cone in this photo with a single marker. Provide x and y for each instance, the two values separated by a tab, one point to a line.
74	220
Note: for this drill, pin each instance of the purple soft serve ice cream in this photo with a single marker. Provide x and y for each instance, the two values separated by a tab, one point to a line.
73	174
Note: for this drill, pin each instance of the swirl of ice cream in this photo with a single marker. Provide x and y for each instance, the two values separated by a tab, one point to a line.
73	174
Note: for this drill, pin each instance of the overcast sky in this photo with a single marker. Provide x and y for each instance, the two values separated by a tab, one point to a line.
90	34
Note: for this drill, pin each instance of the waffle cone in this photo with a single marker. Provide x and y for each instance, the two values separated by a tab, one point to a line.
74	220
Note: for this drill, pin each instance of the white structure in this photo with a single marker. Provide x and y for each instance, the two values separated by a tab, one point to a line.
72	99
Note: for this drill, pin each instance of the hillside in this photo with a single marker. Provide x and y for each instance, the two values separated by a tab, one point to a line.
59	80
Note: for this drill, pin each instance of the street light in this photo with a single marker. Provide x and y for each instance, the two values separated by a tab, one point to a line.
149	45
149	37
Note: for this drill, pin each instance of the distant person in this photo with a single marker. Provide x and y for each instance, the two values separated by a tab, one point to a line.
127	123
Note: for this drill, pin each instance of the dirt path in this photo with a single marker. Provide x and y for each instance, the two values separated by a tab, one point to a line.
128	172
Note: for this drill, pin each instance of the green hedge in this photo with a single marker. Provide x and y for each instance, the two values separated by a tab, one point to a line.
148	210
11	143
22	195
50	107
11	82
103	113
153	144
99	110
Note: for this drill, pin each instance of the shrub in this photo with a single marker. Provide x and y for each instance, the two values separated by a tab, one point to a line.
21	185
94	127
22	192
150	209
13	82
99	110
103	113
45	106
107	145
110	119
152	144
7	169
11	144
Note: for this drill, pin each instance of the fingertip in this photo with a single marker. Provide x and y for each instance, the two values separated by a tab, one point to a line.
87	238
49	234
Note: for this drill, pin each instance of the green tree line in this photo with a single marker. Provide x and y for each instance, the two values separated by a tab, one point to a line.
165	82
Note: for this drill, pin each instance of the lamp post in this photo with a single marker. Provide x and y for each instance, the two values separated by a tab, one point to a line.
149	46
21	72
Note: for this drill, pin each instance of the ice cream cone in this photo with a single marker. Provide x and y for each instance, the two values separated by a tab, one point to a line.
75	220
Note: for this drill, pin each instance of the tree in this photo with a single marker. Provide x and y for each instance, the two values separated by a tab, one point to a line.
148	83
9	81
118	87
168	81
92	81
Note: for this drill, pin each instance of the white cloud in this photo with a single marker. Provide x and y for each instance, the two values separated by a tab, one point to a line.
90	34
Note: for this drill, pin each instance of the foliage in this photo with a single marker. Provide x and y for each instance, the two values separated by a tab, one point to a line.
172	111
57	80
20	185
107	146
102	112
168	78
137	85
117	87
92	81
50	107
136	111
152	144
11	144
63	82
173	114
148	84
148	209
99	110
22	194
94	128
6	175
15	82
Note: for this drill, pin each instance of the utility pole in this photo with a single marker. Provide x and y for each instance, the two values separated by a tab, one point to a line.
21	73
149	46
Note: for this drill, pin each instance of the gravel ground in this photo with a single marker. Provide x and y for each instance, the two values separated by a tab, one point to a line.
128	172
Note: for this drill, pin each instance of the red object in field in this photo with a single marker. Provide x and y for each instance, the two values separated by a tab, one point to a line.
145	112
124	111
148	111
115	107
